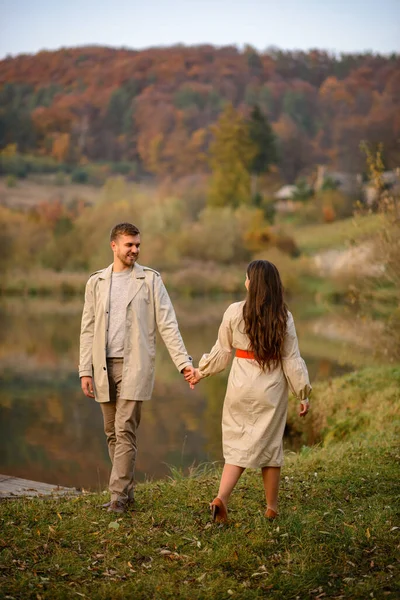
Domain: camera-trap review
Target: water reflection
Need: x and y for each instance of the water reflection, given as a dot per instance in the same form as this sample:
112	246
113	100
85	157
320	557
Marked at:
50	432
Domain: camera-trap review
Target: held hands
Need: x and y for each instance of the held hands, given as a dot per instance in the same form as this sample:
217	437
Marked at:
87	386
192	376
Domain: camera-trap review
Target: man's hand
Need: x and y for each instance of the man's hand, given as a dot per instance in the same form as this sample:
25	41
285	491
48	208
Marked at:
304	407
87	386
187	372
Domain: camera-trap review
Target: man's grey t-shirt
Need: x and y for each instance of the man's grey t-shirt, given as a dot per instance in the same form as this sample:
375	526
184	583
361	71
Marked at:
117	313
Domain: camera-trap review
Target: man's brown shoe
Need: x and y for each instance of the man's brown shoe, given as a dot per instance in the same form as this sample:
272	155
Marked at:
218	511
117	507
129	502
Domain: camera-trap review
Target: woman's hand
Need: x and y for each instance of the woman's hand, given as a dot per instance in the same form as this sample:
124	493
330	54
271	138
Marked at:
193	378
304	407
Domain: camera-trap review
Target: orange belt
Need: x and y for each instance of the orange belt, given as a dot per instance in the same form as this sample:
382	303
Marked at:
244	354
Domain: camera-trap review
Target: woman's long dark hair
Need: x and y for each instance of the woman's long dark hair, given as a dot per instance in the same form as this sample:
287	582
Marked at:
265	313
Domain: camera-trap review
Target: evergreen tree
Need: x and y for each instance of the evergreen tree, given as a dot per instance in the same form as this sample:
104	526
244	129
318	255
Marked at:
296	105
232	153
264	141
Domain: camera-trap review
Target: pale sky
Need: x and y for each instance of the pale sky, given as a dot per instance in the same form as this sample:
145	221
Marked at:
27	26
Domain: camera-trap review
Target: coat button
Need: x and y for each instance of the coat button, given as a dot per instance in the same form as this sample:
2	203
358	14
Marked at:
104	369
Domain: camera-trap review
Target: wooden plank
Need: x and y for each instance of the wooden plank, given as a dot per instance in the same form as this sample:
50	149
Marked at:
15	487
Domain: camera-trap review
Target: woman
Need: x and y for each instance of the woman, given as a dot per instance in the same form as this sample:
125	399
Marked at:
267	361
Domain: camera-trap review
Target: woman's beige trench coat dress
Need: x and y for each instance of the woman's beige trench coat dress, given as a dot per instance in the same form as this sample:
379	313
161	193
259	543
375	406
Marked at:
255	406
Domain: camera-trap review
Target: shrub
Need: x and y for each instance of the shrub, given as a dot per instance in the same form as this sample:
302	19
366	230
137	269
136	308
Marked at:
215	236
303	191
333	204
203	278
80	176
13	165
287	244
379	296
11	181
43	164
124	168
59	178
268	206
21	165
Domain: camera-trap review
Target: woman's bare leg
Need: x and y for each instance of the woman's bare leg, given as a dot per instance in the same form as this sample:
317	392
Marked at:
271	477
229	478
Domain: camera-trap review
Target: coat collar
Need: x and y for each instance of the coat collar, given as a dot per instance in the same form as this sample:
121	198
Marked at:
135	283
137	272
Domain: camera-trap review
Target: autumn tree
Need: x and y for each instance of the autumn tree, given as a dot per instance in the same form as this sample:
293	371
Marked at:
294	149
61	147
231	155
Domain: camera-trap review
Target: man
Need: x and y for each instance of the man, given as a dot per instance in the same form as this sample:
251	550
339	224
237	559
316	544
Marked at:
124	304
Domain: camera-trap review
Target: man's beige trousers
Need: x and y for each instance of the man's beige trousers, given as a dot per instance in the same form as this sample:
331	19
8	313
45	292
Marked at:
121	420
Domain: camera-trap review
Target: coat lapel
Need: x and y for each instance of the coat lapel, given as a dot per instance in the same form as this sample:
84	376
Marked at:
136	282
104	286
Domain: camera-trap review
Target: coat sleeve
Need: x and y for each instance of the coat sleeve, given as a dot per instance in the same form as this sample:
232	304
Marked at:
87	332
219	356
294	367
168	326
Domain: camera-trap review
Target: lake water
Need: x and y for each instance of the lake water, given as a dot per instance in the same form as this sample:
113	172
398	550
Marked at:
50	432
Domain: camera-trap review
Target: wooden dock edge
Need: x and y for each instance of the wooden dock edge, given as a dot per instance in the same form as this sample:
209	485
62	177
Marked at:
15	487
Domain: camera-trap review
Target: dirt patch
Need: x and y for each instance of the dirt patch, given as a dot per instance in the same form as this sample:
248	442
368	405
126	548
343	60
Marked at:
358	260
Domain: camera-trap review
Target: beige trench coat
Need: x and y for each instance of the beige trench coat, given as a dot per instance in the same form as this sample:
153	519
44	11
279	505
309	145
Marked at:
148	307
255	405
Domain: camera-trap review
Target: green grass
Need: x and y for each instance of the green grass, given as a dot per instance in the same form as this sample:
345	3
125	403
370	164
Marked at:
365	403
337	535
314	238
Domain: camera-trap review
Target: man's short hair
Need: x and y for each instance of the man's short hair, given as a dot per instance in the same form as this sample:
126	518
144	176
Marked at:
123	229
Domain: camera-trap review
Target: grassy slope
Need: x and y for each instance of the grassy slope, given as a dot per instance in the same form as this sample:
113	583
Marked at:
337	535
319	237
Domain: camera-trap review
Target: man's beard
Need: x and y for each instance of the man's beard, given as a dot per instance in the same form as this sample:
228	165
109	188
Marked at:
127	261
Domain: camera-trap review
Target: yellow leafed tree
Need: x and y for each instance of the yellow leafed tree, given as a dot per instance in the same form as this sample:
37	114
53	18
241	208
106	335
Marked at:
231	155
60	147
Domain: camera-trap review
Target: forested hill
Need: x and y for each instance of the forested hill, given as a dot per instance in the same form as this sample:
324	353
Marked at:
155	107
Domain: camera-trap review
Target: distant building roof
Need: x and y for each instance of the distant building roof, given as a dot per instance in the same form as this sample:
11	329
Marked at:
286	192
